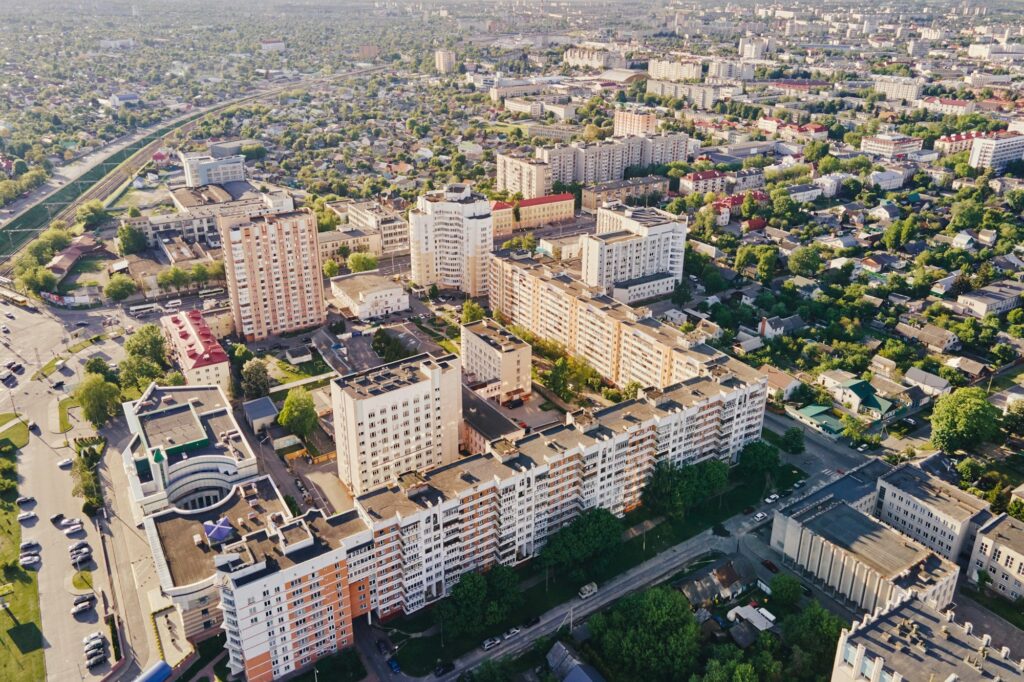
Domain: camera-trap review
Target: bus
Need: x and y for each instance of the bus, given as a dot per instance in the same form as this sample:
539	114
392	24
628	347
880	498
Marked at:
143	309
173	305
207	293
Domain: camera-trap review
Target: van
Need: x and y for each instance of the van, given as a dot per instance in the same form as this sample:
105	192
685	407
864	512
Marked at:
588	591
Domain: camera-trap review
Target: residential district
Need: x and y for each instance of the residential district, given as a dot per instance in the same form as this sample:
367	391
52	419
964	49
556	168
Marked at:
552	340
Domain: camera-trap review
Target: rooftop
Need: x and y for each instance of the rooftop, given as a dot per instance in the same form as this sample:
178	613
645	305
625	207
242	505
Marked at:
935	492
484	418
1005	530
356	286
192	341
494	335
393	376
853	486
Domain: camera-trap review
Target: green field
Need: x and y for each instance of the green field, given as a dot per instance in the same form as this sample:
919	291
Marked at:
21	638
63	407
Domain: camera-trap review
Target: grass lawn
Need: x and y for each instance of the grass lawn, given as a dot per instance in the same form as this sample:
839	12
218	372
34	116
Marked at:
1005	609
82	345
62	409
49	368
82	580
345	666
1012	467
286	373
419	655
1005	381
208	650
20	635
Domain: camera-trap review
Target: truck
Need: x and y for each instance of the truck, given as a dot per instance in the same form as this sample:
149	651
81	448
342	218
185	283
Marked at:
588	591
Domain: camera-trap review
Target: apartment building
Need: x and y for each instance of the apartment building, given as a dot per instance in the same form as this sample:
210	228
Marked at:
996	150
371	216
367	295
185	450
272	264
999	551
703	182
396	418
203	169
947	106
560	106
495	361
444	61
634	246
701	96
859	559
550	210
590	58
993	299
353	239
450	234
622	343
730	70
890	145
937	514
634	122
958	142
531	178
195	350
674	70
596	196
589	163
912	640
898	87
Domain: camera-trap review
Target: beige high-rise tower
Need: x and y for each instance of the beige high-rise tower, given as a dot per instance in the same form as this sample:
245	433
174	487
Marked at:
272	264
451	234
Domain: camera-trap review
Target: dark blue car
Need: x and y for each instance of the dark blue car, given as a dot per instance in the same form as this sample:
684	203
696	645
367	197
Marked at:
393	664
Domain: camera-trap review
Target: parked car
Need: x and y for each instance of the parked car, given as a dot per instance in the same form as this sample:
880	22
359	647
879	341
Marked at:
66	523
28	560
393	664
27	545
770	565
587	591
55	519
80	608
65	463
443	669
510	633
490	643
93	637
94	661
23	500
863	447
83	599
73	530
771	499
382	647
760	516
81	544
26	516
58	384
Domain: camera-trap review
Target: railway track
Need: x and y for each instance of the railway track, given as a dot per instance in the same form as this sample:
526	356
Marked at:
103	188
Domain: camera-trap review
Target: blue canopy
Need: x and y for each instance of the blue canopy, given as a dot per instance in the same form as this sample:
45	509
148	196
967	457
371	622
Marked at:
218	531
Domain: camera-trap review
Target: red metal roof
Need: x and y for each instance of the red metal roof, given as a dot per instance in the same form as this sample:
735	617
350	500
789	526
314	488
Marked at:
194	344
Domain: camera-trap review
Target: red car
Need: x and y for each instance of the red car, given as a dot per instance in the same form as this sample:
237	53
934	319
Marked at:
770	565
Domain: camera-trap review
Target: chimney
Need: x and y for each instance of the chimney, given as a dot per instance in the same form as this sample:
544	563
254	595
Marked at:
968	628
1005	653
986	639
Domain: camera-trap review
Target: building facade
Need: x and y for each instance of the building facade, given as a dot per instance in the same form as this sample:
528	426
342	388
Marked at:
530	178
638	122
368	294
272	265
589	163
396	418
203	169
496	362
450	235
393	229
195	350
671	70
549	210
996	150
898	87
596	196
444	61
890	146
999	551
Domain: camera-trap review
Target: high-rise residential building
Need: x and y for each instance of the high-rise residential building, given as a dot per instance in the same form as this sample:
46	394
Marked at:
674	70
634	122
204	169
636	253
390	225
496	362
701	96
891	145
195	350
444	61
590	58
272	265
755	48
937	514
528	177
730	70
395	419
450	235
596	196
996	151
588	163
622	343
898	87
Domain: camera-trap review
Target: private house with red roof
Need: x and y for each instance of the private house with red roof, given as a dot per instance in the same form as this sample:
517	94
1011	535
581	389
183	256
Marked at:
195	350
549	210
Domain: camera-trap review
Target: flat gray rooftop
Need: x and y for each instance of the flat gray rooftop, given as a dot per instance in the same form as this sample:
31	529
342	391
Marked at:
935	492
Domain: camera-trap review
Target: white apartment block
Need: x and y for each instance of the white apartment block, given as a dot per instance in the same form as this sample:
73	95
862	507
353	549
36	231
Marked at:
272	264
589	163
730	70
203	169
195	350
910	640
937	514
993	299
890	146
444	61
700	96
390	225
958	142
898	87
589	58
451	234
859	559
999	551
634	246
755	48
947	106
396	418
634	122
495	361
529	177
672	70
369	294
996	151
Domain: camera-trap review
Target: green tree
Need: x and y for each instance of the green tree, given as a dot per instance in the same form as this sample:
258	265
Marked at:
240	354
815	632
759	459
433	292
92	213
786	591
584	545
361	262
148	342
673	490
137	371
120	287
173	378
199	274
255	378
472	312
805	261
1013	420
130	240
964	417
853	428
461	614
652	635
793	440
331	268
970	470
97	365
100	399
172	278
298	414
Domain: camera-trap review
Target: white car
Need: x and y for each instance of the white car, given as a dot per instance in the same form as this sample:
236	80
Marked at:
65	463
80	608
68	522
771	499
26	516
73	530
94	637
28	560
81	544
510	633
760	516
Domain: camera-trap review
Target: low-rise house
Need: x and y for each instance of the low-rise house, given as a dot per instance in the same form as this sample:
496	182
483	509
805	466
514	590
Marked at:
770	327
885	211
804	193
972	368
934	338
367	295
931	384
781	385
995	299
857	395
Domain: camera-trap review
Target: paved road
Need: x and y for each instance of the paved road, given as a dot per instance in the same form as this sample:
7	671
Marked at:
33	338
820	454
